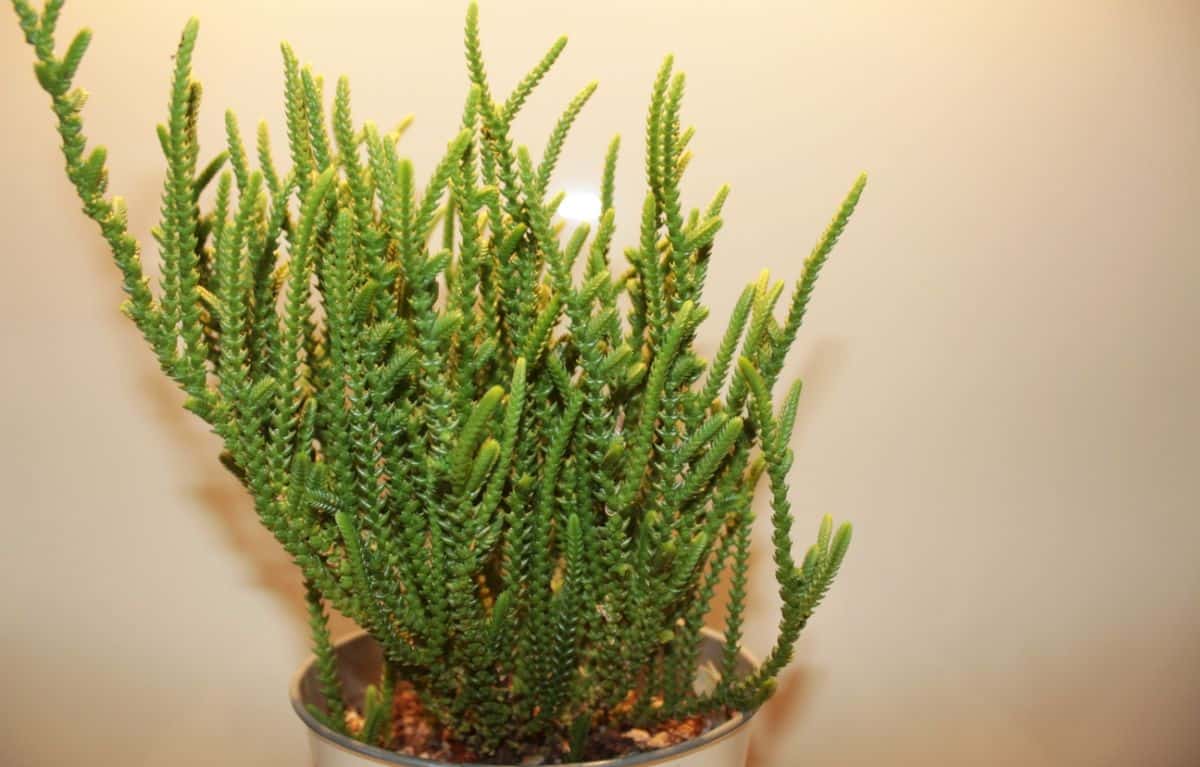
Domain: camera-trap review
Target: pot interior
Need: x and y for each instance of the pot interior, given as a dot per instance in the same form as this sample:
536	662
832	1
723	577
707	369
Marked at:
360	663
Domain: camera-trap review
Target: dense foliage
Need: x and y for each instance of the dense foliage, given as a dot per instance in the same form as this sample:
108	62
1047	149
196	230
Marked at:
490	445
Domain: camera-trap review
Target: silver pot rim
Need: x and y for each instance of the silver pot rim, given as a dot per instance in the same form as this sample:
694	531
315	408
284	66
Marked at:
641	759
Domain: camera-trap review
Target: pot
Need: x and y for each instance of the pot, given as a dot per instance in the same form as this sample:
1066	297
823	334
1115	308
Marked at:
359	661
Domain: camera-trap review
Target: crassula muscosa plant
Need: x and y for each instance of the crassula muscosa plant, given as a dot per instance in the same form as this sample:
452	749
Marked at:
487	440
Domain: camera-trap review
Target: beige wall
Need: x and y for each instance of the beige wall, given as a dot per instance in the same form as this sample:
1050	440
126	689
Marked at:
1001	362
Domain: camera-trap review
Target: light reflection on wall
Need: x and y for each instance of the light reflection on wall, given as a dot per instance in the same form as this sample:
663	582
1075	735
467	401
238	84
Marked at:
580	206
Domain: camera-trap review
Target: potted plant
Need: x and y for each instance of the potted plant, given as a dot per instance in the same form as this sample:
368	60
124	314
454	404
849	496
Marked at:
479	437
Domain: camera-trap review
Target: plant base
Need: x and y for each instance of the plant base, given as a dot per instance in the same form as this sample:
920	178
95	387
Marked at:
718	744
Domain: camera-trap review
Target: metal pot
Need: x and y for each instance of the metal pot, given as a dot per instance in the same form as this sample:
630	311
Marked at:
360	662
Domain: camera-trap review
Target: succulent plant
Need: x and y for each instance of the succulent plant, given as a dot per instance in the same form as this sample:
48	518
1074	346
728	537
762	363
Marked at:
485	439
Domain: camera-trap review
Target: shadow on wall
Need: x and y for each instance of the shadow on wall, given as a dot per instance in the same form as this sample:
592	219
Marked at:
787	706
230	504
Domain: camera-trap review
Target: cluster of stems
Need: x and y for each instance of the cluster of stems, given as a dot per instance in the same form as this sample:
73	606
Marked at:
483	438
